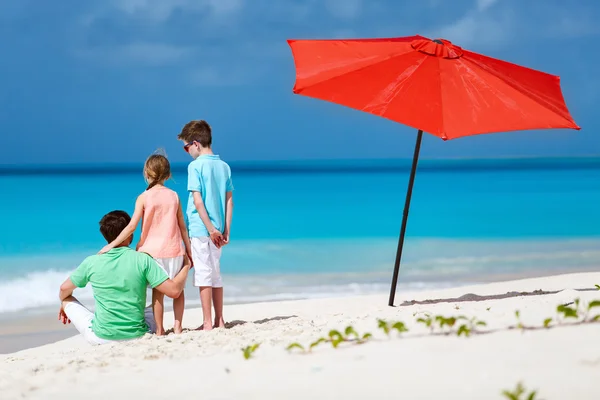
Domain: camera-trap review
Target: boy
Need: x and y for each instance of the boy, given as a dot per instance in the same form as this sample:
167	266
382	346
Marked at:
209	210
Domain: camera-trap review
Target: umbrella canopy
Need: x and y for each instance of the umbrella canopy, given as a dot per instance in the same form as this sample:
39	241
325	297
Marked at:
431	85
434	86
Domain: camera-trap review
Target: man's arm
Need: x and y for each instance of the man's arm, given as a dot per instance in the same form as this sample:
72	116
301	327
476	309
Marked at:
173	287
215	235
66	289
228	216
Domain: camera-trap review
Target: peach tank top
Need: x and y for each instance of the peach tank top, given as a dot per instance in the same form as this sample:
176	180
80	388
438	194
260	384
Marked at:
161	237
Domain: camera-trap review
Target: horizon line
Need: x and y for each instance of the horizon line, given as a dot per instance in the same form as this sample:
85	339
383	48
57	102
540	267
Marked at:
455	164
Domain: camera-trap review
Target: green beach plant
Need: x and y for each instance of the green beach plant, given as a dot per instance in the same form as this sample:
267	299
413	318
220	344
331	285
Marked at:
519	322
470	326
427	320
335	338
547	322
576	310
452	324
518	392
248	351
388	327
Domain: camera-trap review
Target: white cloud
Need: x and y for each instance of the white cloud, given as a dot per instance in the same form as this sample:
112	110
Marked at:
138	53
344	9
213	76
476	29
483	5
489	24
478	26
161	10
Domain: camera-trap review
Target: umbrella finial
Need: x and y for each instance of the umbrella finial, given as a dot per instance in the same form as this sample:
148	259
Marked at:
437	48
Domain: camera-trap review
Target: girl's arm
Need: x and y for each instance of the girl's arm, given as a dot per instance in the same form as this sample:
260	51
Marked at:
184	232
130	228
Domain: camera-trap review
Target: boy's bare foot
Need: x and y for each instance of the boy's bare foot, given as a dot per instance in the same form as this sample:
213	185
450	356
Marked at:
219	323
160	332
207	326
177	329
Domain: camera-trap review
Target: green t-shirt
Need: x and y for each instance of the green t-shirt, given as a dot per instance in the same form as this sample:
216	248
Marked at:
119	279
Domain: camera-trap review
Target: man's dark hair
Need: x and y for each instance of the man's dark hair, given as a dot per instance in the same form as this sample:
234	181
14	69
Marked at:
113	223
198	131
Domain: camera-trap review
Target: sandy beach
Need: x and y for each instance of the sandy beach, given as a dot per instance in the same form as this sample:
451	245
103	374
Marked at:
561	362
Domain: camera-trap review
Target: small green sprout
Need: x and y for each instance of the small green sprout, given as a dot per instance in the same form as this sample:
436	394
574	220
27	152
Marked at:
335	337
350	331
568	312
316	343
384	326
400	327
519	323
387	327
293	346
463	330
516	394
427	321
547	322
597	287
249	350
365	337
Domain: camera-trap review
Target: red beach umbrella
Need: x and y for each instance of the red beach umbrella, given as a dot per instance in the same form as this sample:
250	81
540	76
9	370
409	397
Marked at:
433	86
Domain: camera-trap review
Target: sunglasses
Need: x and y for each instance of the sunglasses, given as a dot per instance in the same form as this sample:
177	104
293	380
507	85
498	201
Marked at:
186	147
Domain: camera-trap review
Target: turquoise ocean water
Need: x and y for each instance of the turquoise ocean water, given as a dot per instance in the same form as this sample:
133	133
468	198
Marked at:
310	229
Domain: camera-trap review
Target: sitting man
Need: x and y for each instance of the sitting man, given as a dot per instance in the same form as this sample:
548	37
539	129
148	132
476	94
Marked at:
119	280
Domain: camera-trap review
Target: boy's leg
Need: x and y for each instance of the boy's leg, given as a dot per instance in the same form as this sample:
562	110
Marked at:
203	276
218	302
217	286
206	297
158	308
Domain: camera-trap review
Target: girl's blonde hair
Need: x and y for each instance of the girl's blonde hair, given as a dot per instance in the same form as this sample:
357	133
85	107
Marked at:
157	170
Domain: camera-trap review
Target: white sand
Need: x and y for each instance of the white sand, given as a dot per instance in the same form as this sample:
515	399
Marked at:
562	363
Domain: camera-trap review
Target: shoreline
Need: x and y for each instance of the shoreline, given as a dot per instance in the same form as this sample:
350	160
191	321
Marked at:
494	358
25	330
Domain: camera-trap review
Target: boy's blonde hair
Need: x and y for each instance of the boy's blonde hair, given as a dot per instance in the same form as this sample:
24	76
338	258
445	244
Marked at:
157	170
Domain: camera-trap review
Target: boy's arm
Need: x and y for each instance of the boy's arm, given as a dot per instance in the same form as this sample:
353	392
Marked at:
228	216
215	235
184	232
130	228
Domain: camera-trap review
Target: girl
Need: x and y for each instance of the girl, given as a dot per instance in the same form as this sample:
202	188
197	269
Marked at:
163	231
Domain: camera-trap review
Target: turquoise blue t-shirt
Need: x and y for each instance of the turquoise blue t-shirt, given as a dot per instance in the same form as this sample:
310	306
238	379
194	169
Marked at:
210	176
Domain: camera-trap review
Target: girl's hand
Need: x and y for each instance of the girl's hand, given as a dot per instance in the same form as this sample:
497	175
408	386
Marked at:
105	249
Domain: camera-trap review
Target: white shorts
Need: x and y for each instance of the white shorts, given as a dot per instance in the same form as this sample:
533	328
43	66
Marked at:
171	266
207	263
82	318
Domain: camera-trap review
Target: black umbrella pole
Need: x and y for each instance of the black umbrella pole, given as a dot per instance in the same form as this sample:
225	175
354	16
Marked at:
411	180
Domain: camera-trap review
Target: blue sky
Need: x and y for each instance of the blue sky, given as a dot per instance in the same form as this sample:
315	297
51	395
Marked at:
112	80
